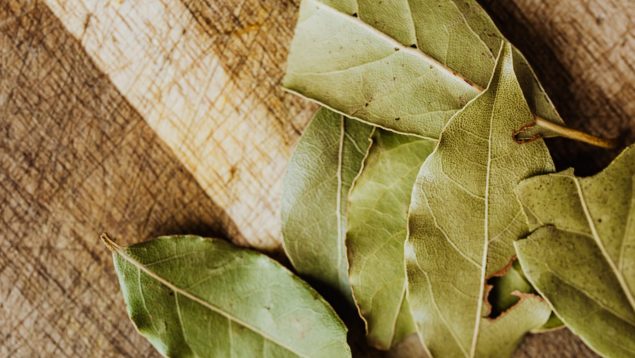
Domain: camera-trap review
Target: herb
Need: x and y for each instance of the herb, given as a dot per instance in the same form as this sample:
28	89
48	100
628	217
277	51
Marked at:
464	217
502	288
198	297
581	256
499	337
407	66
319	177
376	232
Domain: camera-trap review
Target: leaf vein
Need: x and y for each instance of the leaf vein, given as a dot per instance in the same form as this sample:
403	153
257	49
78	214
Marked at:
208	305
600	244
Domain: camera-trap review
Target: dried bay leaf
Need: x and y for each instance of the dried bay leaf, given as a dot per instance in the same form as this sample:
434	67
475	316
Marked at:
508	289
502	294
553	323
463	219
197	297
581	257
332	152
376	231
402	65
500	336
324	164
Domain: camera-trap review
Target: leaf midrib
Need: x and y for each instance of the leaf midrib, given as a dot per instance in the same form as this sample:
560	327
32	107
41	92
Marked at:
562	281
479	308
393	331
600	244
338	204
179	291
601	305
396	44
630	222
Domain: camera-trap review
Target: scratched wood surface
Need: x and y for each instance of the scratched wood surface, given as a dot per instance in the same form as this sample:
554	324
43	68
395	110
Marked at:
156	117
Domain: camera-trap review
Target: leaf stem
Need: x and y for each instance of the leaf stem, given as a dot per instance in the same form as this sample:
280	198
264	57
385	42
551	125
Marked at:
110	243
541	122
575	134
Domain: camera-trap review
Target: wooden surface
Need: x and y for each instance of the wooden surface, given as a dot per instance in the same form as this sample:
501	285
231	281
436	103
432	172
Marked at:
155	117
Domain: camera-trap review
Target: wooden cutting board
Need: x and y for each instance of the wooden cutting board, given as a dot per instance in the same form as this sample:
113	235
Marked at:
152	117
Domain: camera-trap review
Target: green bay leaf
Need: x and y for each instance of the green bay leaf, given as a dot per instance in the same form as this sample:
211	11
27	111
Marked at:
376	231
464	218
407	66
197	297
581	257
327	159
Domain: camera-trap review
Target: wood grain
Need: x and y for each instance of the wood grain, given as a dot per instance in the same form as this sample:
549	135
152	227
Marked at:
76	159
166	116
234	137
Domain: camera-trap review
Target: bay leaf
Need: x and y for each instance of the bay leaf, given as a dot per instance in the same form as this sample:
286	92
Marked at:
376	231
507	290
464	217
581	256
320	173
197	297
401	65
502	294
553	323
499	337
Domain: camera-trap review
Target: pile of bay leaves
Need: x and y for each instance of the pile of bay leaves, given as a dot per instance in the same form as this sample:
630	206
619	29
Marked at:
421	194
